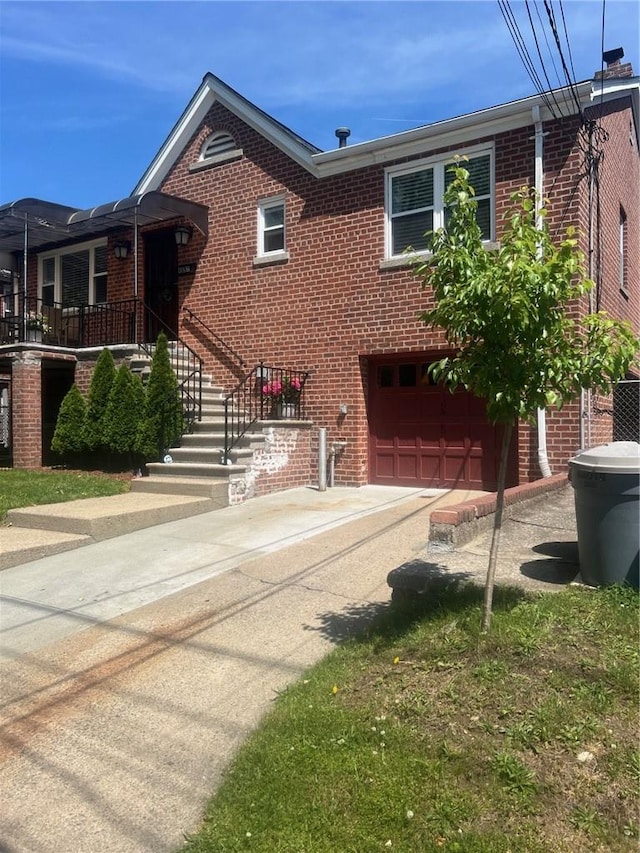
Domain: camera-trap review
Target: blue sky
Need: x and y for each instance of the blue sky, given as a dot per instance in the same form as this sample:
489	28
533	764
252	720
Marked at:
90	90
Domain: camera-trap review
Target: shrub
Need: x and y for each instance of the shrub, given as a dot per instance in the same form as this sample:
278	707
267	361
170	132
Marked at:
162	423
68	438
101	383
124	414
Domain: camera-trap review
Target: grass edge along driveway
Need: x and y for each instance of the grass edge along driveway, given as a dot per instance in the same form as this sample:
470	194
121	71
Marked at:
21	487
424	735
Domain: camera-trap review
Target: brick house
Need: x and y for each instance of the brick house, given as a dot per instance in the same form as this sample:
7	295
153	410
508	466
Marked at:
251	247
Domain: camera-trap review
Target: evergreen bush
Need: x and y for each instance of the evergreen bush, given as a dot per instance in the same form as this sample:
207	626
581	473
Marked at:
102	381
123	415
162	423
68	438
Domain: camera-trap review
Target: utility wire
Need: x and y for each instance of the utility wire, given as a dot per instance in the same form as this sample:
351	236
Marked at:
544	70
521	47
554	30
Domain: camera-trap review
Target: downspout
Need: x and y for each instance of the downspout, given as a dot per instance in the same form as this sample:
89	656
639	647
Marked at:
543	460
585	396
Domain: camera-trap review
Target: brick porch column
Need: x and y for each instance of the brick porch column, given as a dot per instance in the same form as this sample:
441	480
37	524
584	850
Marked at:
26	402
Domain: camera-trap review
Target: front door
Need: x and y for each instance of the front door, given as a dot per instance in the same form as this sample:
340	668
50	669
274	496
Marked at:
161	284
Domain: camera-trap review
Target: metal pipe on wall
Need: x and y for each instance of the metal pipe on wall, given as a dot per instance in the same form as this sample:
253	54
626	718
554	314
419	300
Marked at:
322	459
543	459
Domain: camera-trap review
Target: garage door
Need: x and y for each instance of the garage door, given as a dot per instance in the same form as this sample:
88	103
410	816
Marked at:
420	434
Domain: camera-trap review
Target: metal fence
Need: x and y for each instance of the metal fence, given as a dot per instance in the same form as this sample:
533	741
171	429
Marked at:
614	417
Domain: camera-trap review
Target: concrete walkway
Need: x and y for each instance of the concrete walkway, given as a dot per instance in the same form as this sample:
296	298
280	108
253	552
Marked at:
135	667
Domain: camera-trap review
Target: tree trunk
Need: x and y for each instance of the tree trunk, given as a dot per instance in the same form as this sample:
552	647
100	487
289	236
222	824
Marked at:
497	528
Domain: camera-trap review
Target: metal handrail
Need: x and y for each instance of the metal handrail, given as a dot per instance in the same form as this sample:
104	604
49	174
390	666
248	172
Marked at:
257	397
191	315
101	324
185	363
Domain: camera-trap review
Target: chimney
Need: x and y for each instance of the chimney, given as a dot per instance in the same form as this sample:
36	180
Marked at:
343	133
614	67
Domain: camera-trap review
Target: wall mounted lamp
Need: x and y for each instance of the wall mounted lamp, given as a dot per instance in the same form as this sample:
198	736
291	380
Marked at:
121	249
182	235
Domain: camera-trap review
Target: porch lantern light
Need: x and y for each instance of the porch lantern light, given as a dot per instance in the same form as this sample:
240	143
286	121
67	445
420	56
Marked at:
182	235
121	249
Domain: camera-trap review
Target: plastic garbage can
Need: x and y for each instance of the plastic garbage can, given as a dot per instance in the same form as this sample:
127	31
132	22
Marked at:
606	483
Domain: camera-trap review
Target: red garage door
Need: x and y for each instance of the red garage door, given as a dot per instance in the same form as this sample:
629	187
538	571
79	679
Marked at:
422	435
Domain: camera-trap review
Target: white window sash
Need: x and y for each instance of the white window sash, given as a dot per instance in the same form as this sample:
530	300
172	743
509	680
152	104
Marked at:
439	166
57	258
264	229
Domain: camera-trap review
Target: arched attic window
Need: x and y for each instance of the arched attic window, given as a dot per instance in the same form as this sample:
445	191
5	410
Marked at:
218	143
218	147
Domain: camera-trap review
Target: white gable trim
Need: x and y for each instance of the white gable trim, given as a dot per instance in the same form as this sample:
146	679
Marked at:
461	130
210	91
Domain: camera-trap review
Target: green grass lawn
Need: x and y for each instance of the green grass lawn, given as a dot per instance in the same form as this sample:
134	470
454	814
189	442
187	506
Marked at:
425	735
20	487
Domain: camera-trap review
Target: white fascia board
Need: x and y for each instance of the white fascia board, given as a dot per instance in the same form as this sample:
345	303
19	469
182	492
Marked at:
208	93
175	142
259	122
461	130
609	90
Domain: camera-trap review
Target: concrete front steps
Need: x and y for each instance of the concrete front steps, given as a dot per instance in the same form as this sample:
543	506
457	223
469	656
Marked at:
197	464
39	531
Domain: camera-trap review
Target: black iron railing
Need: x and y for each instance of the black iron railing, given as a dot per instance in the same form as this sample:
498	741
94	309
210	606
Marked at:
193	318
265	393
187	366
34	319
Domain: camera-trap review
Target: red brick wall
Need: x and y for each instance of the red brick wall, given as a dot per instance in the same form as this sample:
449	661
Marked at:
26	412
332	305
282	463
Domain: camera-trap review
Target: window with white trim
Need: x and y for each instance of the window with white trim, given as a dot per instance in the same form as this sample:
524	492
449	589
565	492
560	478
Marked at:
415	205
74	276
271	226
622	251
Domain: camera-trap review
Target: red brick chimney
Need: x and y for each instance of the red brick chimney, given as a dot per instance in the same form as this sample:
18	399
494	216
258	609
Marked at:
614	68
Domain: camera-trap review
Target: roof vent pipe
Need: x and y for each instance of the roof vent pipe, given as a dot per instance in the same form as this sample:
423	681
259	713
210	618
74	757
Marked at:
343	133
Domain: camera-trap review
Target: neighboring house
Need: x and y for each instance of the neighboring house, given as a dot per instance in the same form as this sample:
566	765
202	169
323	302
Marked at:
252	246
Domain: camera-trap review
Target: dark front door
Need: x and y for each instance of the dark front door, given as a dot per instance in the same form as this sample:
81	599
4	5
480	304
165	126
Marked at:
161	284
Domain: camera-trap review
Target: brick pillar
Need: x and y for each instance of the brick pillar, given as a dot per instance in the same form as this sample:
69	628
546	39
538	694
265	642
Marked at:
26	400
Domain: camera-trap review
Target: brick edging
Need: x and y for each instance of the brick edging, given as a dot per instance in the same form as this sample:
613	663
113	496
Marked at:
459	523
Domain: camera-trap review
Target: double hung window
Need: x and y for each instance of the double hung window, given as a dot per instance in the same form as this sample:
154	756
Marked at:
415	200
271	227
74	276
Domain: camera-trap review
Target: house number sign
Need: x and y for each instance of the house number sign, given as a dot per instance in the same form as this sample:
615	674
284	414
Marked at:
186	269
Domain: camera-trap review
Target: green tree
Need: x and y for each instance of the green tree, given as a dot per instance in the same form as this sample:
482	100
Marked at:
505	313
162	422
102	380
124	414
68	438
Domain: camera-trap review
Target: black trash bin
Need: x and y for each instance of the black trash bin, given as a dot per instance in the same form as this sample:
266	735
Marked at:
606	483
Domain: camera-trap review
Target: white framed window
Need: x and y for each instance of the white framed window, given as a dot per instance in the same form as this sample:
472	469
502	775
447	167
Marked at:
271	227
414	199
622	251
74	276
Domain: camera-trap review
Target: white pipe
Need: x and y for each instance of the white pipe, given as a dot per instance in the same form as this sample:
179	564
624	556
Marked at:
543	459
322	459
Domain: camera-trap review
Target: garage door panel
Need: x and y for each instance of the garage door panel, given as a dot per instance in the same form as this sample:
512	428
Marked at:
424	435
408	466
385	466
430	468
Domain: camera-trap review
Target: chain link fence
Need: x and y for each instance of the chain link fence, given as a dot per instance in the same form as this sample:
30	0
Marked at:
614	417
